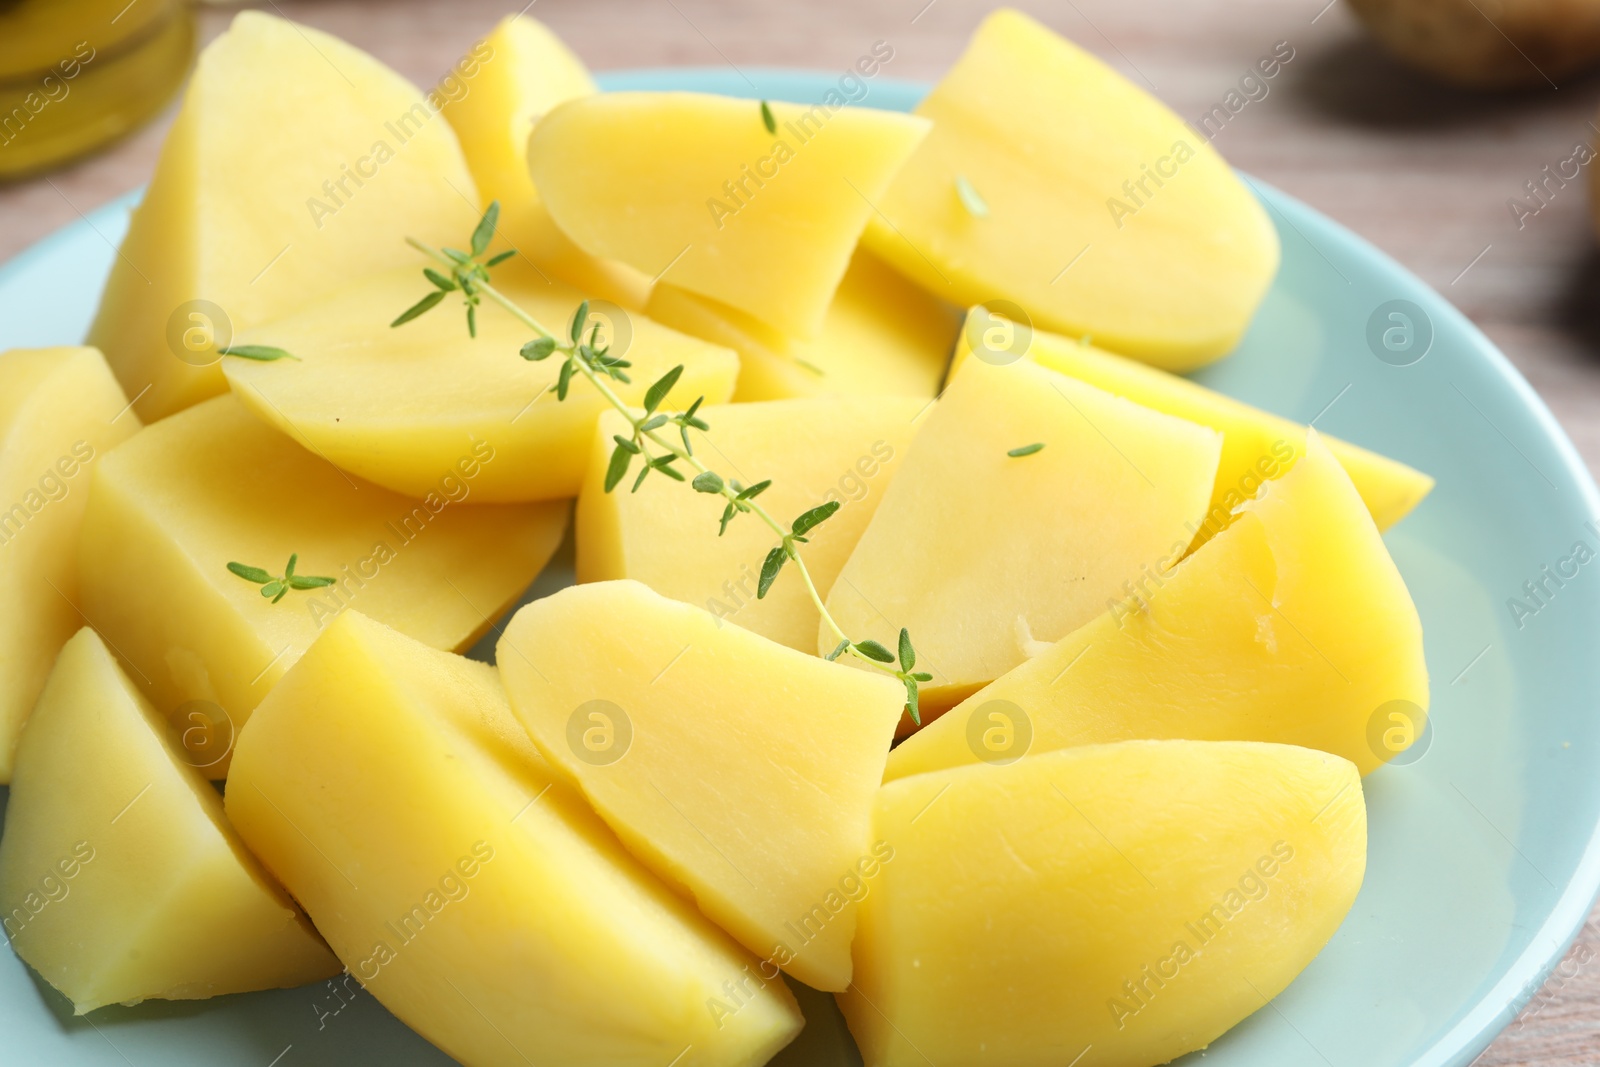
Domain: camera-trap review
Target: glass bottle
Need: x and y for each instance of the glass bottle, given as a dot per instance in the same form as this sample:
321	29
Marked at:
77	74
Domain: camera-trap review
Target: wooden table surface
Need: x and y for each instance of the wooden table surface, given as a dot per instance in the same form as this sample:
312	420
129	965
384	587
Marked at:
1423	172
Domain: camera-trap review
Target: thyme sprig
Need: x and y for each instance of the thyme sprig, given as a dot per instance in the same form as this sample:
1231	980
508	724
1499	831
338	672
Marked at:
657	441
276	587
467	273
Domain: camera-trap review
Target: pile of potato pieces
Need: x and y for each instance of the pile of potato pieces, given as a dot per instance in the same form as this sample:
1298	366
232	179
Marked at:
1142	606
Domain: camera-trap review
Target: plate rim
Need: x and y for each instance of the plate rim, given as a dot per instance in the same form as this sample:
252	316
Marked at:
1498	1007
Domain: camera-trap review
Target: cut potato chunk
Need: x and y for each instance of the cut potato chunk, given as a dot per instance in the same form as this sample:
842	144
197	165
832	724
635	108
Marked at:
296	165
175	505
1292	625
1256	445
60	411
842	450
1138	899
120	878
481	901
637	698
987	556
693	189
883	336
398	406
1051	180
493	98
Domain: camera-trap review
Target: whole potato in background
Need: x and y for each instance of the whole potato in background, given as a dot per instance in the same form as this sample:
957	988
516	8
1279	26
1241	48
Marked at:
1488	44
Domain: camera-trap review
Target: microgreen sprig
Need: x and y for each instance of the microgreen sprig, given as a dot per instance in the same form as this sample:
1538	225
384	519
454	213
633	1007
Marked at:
1026	450
276	587
658	441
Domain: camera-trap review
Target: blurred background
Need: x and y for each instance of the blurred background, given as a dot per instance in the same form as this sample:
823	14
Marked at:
1483	192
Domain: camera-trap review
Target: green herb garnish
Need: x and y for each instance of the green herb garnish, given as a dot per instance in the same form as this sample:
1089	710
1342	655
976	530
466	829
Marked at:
467	271
259	353
1026	450
766	118
975	205
908	660
657	440
274	586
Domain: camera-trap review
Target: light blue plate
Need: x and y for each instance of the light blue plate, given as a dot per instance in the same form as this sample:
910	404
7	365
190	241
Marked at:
1484	856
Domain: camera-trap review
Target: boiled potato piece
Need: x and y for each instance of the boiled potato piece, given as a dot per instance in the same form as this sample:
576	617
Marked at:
692	189
120	878
1292	625
399	406
882	336
1138	899
173	506
1517	43
492	99
1256	445
731	766
983	555
1041	154
477	898
842	450
60	411
297	164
